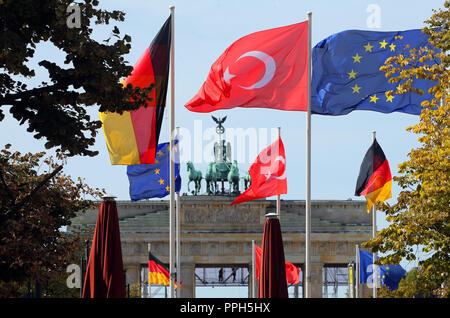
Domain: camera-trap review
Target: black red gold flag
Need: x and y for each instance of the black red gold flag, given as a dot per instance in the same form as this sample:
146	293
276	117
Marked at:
132	137
158	273
374	180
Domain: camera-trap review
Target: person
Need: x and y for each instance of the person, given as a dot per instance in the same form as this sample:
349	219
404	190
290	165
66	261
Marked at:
234	274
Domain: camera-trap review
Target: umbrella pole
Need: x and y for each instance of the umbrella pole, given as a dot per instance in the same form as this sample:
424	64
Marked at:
172	159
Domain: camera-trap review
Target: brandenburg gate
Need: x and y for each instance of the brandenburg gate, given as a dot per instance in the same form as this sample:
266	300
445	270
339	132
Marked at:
215	234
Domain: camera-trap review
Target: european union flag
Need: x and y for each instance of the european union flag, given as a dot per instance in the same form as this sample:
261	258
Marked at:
152	180
389	275
346	73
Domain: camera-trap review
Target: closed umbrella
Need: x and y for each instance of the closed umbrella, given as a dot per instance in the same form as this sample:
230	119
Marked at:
272	282
104	274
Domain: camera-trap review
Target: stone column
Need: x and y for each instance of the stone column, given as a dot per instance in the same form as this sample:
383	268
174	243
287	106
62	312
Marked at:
316	280
187	274
132	274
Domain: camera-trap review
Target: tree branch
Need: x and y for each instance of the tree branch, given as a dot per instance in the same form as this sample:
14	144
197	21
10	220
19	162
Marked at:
5	186
17	206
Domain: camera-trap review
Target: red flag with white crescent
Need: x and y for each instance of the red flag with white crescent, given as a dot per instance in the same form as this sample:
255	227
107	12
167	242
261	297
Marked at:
267	174
266	69
292	271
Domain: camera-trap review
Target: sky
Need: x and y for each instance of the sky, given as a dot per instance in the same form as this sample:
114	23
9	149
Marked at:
203	30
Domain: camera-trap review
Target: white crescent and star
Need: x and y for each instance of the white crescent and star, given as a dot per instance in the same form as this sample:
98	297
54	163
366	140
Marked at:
283	176
269	64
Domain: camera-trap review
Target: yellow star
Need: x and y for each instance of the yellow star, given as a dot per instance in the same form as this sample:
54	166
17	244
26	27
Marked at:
156	161
392	46
356	88
157	171
352	74
161	181
175	148
374	98
383	44
167	188
368	47
356	58
160	153
389	98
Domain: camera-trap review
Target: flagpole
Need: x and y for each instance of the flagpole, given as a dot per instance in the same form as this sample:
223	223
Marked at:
253	270
149	248
172	159
278	196
178	232
374	234
308	172
357	272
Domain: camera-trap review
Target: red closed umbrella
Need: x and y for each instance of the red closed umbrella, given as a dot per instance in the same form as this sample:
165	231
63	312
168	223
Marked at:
104	274
272	282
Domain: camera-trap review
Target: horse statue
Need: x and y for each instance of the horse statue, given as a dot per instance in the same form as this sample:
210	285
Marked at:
194	175
233	178
247	180
211	179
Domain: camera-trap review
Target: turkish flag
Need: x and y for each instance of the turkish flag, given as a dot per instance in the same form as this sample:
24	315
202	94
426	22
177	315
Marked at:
266	69
267	174
292	271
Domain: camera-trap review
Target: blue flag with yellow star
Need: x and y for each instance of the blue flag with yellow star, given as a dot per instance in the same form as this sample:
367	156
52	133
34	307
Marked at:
389	275
152	180
346	73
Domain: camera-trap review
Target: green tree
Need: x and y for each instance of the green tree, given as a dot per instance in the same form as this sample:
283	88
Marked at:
90	74
419	220
408	287
34	206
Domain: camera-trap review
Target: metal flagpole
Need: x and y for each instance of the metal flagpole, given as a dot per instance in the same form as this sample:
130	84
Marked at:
149	248
278	196
374	234
172	159
178	232
308	172
178	245
253	270
357	272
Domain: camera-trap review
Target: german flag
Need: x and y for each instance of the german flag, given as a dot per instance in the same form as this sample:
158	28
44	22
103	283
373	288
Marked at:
158	273
374	180
132	137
